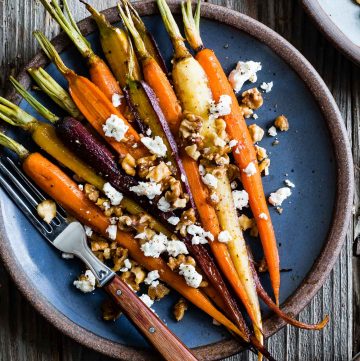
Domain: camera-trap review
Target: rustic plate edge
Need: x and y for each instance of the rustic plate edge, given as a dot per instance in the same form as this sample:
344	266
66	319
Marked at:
322	267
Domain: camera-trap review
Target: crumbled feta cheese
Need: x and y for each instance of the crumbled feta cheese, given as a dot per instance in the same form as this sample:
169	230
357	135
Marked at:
267	86
272	131
148	132
201	169
151	276
241	199
141	235
163	204
127	263
114	196
87	284
214	197
192	278
263	216
289	183
223	107
244	71
224	236
233	185
154	283
113	220
155	145
155	246
173	220
116	99
233	143
255	116
115	127
81	187
148	189
174	248
147	300
106	205
250	169
112	231
210	180
279	196
200	236
67	255
88	231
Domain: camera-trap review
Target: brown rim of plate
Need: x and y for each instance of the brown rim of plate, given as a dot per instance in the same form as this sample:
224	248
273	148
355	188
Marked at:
342	210
331	31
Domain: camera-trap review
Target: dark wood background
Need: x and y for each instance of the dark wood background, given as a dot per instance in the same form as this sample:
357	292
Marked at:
25	335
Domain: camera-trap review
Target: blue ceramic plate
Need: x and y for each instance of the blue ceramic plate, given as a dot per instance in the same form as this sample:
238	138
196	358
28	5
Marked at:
314	154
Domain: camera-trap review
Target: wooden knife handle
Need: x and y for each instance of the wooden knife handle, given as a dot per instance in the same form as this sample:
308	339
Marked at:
147	322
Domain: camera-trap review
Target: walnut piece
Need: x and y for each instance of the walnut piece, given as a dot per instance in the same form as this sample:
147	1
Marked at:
261	153
158	292
174	263
190	127
262	266
282	123
129	164
134	277
187	218
91	192
256	132
179	309
158	173
252	98
248	223
110	310
144	164
264	166
192	151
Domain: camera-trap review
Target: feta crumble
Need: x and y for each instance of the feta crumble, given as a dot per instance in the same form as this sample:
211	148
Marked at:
267	86
127	266
148	132
155	145
272	131
148	189
115	127
173	220
263	216
255	116
233	143
112	231
279	196
174	248
155	246
223	107
116	99
210	180
163	204
224	236
81	187
88	231
289	183
214	197
147	300
200	236
250	169
243	72
233	185
241	199
192	278
87	284
201	169
151	276
114	196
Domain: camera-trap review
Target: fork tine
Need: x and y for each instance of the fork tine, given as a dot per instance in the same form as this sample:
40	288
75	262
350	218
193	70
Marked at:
60	211
44	228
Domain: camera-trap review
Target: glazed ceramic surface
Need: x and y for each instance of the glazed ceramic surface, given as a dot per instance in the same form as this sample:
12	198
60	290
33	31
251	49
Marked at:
306	155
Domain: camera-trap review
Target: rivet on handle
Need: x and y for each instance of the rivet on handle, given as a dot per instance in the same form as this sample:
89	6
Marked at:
118	292
152	329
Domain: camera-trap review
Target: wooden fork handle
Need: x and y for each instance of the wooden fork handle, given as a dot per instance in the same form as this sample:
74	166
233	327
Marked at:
147	322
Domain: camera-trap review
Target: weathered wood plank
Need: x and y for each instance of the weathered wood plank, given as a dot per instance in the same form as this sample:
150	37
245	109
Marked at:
24	335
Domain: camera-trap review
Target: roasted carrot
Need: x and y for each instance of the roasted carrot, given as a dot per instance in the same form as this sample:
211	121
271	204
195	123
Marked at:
100	73
93	104
192	89
244	153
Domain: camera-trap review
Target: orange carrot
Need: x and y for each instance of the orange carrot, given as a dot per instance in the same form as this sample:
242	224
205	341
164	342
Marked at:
244	153
53	181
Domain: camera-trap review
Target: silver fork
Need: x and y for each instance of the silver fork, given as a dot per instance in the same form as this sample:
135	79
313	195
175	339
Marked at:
71	238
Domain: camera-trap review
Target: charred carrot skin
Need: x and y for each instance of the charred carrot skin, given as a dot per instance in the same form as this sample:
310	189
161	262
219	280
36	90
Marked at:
244	153
66	192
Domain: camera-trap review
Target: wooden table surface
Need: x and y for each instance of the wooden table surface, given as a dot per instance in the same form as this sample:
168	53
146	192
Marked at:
25	335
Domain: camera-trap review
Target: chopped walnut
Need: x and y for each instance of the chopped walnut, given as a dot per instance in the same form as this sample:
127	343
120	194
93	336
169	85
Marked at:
91	192
245	222
254	232
204	284
192	151
220	126
190	127
179	309
282	123
134	277
119	255
144	164
174	263
187	218
158	172
247	112
158	292
252	98
262	266
99	245
261	153
256	132
264	166
233	172
110	310
129	164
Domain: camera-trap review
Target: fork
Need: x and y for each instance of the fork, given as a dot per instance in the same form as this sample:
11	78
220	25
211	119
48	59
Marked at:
71	238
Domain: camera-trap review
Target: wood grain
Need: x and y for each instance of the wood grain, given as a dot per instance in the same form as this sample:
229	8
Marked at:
24	335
